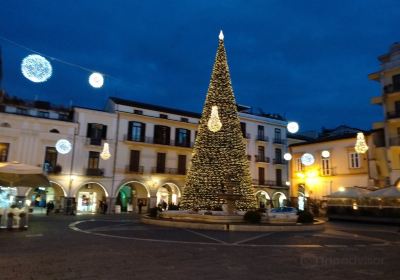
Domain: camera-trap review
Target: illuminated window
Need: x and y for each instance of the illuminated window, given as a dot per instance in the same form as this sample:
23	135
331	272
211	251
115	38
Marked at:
299	165
4	147
326	166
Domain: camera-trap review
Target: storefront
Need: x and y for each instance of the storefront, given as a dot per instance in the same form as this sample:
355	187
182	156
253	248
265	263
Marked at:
89	197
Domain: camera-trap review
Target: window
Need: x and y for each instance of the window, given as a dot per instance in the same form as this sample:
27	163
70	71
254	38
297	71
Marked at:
161	162
4	147
93	162
22	111
136	131
260	132
182	137
134	161
396	82
182	164
50	159
261	153
184	120
299	165
63	117
326	167
43	114
139	112
278	155
243	127
354	160
96	132
261	176
278	176
278	135
162	134
163	116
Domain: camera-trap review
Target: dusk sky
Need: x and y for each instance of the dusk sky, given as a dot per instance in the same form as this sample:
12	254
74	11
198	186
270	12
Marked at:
305	60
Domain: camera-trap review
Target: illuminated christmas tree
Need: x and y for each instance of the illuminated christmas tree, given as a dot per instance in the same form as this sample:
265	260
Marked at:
219	163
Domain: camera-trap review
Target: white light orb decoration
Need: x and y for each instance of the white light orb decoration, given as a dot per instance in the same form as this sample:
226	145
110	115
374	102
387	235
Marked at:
325	154
307	159
105	154
293	127
287	156
96	80
36	68
214	123
63	146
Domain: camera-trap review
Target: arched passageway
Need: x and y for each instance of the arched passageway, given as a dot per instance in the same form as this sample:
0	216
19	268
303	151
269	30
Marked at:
279	199
89	197
263	199
133	197
40	196
168	195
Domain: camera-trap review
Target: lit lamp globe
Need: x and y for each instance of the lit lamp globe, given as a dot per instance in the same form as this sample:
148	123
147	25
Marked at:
293	127
325	154
307	159
36	68
63	146
287	156
96	80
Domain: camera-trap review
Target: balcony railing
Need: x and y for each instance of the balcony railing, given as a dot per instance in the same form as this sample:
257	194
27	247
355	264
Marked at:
134	169
262	138
279	161
390	89
94	142
173	171
279	141
327	171
259	182
151	140
394	141
259	158
393	114
94	171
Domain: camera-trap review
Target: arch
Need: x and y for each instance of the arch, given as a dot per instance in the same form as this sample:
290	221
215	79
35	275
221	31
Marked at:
90	196
168	193
40	196
397	183
175	186
279	199
54	130
5	124
266	194
132	181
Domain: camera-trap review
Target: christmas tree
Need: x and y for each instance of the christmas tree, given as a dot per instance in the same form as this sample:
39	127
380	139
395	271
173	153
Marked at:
219	163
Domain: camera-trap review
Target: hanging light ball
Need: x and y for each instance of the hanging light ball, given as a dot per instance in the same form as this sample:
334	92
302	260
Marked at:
63	146
287	156
325	154
307	159
293	127
96	80
36	68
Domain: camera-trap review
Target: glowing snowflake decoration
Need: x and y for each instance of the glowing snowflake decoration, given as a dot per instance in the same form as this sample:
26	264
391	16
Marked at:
63	146
36	68
293	127
96	80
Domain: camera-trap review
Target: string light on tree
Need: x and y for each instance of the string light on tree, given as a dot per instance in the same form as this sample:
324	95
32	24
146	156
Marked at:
214	123
361	146
293	127
96	80
36	68
63	146
219	164
105	154
287	156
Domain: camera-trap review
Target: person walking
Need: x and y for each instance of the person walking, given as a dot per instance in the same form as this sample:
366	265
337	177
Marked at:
50	207
140	206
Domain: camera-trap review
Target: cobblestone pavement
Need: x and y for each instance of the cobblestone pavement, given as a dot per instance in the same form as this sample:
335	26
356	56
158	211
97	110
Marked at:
120	247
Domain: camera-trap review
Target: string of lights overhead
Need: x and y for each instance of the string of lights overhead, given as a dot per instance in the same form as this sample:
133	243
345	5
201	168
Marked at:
37	66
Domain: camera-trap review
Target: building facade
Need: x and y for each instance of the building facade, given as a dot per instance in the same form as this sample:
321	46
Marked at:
387	131
150	147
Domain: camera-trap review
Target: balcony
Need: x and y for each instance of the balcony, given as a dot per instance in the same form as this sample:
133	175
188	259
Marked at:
94	172
279	141
327	171
394	141
259	158
262	138
134	169
94	142
172	171
259	182
389	89
151	140
279	161
393	115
